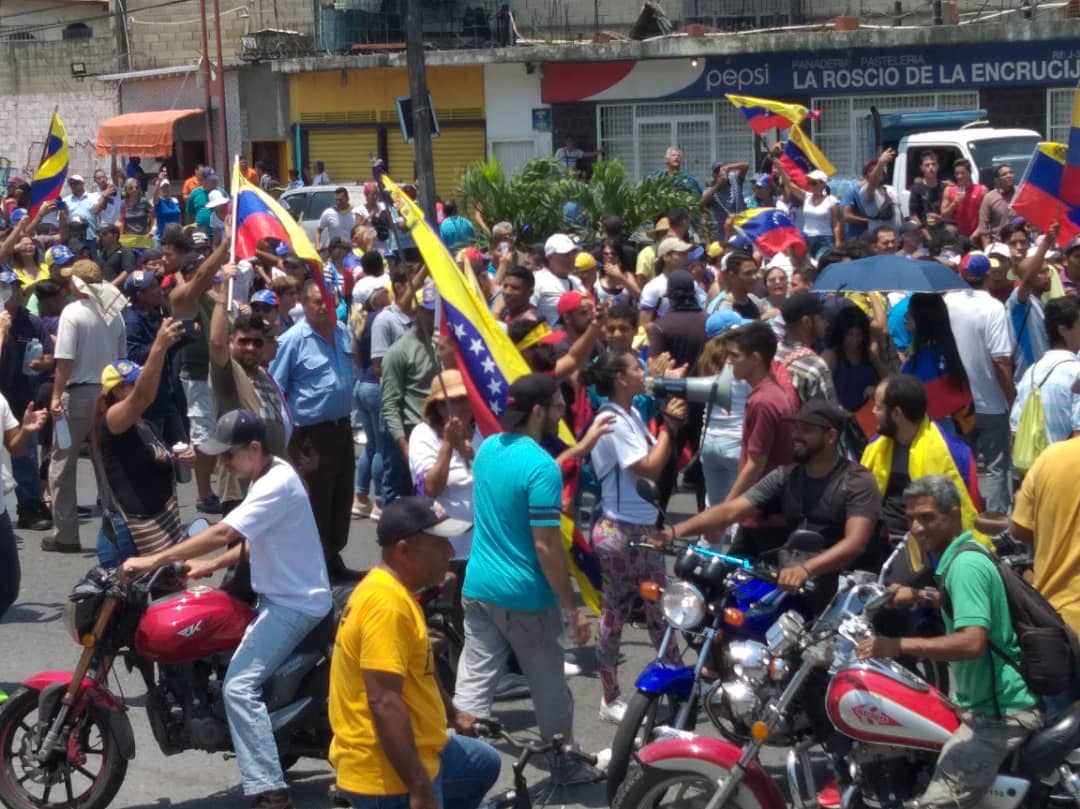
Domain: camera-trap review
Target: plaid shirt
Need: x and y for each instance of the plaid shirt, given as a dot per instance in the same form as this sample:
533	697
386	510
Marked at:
809	373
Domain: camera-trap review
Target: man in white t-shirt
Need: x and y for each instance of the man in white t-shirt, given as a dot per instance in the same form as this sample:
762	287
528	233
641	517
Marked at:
982	336
672	254
288	572
557	277
336	222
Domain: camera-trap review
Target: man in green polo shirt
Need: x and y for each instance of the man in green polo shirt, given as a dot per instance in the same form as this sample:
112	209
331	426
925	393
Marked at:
998	709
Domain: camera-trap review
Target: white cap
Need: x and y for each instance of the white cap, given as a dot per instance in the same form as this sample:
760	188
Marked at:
559	243
76	178
164	181
1000	249
819	175
216	199
673	244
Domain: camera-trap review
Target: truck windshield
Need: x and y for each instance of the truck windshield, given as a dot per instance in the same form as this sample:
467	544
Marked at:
994	152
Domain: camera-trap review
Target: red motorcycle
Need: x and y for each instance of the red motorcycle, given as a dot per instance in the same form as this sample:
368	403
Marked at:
66	739
896	721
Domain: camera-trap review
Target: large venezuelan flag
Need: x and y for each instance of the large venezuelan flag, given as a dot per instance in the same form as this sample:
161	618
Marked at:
48	180
1070	177
489	363
801	156
1037	197
770	230
764	114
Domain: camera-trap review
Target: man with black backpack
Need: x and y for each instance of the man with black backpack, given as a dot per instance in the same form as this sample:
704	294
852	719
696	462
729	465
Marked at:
981	646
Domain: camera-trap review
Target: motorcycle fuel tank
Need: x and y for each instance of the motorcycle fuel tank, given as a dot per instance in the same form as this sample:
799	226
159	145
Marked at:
884	703
190	625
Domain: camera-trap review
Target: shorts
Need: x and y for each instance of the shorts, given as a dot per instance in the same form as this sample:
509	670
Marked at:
200	404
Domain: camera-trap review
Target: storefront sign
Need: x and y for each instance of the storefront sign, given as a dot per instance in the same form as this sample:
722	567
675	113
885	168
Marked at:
856	70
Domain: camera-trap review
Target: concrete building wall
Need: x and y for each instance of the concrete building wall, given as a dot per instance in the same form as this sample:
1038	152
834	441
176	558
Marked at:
25	19
511	93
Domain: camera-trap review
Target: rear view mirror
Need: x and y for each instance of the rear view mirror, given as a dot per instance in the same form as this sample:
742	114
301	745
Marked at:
197	526
648	491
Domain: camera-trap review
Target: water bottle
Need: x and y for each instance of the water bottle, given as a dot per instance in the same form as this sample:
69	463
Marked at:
34	351
61	433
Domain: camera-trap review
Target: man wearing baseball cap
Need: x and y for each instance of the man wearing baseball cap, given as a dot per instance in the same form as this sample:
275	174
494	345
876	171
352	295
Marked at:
517	594
276	526
388	711
557	277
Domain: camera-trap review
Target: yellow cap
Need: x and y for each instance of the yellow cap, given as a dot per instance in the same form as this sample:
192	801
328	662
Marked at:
714	250
584	262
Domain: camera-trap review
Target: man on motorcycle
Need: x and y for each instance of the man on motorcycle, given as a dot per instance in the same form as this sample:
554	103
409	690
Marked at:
999	710
821	492
287	571
387	711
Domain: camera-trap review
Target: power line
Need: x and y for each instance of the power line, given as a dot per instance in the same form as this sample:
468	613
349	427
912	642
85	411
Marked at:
108	16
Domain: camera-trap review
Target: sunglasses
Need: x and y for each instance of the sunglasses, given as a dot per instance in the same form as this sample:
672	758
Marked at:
256	342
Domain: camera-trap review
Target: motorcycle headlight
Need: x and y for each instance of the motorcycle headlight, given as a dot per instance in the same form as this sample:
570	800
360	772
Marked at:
749	660
683	605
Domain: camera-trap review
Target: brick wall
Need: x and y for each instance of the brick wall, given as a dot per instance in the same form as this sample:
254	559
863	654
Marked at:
24	122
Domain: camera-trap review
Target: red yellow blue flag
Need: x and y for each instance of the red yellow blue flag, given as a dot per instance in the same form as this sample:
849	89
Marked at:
801	156
489	364
48	180
1037	197
1070	177
764	114
771	230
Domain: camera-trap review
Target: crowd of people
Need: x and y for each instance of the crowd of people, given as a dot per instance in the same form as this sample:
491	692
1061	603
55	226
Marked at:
126	327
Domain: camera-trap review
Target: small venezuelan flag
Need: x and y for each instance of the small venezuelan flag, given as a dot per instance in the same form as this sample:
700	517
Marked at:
771	231
801	156
1037	197
48	180
764	114
1070	177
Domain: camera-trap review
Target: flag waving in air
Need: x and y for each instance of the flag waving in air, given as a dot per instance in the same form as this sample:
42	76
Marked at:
764	114
771	230
1070	177
801	156
489	363
1036	197
48	180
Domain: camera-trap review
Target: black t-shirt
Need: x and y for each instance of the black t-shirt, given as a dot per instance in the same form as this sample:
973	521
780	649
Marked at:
681	334
925	200
893	512
122	259
747	309
139	469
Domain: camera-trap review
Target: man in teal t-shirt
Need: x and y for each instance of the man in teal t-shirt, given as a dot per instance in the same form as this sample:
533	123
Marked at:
998	709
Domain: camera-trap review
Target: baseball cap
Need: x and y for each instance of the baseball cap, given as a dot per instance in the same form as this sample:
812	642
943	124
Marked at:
723	320
216	199
199	239
819	175
76	178
139	280
85	270
800	305
740	241
525	393
265	297
559	244
714	250
680	282
821	413
763	181
408	516
147	256
663	225
282	249
370	185
910	227
673	244
338	243
697	254
975	264
999	249
163	182
1074	242
59	255
584	261
425	296
237	428
190	262
571	301
208	173
18	214
8	276
116	373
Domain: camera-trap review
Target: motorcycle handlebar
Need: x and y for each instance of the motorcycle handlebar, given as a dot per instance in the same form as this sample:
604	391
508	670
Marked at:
492	729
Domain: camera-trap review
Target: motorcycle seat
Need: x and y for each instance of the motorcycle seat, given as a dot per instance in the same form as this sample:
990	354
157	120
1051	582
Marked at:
322	636
1046	749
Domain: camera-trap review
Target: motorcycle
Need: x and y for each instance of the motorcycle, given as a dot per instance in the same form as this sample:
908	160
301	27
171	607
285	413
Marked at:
897	723
65	737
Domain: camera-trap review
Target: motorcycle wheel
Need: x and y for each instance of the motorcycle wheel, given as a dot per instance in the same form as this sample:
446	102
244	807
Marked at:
643	714
666	789
90	781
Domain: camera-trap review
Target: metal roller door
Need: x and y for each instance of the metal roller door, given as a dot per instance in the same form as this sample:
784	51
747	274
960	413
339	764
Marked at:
456	148
346	153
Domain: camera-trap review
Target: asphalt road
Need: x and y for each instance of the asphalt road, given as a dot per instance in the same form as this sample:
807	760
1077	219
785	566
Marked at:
33	638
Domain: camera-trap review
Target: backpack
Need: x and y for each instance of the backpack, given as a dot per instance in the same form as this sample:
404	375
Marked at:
1031	437
1049	649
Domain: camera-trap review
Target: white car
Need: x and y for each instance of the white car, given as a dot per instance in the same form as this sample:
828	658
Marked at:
308	203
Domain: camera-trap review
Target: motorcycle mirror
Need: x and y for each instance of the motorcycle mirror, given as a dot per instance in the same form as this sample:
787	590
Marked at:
878	601
648	491
197	526
804	540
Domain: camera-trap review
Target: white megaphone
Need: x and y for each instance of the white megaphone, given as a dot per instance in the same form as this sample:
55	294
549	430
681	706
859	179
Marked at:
696	389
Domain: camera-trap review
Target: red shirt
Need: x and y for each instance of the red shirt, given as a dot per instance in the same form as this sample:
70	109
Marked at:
966	214
767	430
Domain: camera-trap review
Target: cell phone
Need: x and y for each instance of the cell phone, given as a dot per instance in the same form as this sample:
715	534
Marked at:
189	328
505	248
60	205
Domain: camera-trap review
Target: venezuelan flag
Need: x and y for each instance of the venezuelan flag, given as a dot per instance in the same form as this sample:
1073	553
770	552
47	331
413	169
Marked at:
489	363
48	180
764	114
801	156
1037	197
1070	177
257	215
771	230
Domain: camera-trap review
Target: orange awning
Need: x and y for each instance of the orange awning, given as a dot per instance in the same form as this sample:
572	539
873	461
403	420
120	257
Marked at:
141	134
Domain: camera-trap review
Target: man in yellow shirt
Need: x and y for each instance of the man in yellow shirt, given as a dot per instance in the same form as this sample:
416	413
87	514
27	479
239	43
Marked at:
389	716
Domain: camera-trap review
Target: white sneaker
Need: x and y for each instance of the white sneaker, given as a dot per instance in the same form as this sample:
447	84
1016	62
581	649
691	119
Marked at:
361	510
376	512
570	667
614	711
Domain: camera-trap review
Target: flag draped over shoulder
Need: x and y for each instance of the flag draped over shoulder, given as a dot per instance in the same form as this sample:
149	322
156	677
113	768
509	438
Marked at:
764	114
801	156
1037	197
257	216
489	364
48	180
771	230
1070	177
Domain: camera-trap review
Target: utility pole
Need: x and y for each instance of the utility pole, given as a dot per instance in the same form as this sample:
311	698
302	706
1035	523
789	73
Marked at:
421	113
211	155
223	133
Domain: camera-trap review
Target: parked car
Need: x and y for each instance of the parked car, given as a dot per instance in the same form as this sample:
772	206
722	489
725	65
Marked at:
308	203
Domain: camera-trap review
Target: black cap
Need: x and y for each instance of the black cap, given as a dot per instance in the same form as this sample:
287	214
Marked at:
524	394
406	517
821	413
338	243
237	428
911	227
800	305
190	262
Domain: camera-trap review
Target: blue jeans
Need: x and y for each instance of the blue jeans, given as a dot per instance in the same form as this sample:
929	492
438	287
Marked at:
367	407
818	246
720	468
467	770
397	482
24	468
268	642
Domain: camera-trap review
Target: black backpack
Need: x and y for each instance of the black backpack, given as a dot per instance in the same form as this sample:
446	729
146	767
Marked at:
1049	650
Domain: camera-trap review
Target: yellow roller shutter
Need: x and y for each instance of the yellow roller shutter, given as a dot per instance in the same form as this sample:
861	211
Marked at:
346	152
456	148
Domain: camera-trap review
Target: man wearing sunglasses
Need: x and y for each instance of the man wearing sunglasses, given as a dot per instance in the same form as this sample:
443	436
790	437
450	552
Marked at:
239	381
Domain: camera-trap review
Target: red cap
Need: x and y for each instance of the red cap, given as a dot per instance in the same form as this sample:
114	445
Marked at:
552	339
570	302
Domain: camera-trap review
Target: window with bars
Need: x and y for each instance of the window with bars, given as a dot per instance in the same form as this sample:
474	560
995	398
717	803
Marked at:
1059	103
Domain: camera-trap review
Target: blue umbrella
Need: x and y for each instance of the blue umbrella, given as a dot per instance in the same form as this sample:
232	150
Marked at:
888	273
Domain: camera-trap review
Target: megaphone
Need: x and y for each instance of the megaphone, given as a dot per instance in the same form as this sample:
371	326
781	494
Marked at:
695	389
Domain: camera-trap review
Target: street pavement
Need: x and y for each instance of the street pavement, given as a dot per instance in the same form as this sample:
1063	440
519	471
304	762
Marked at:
33	638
